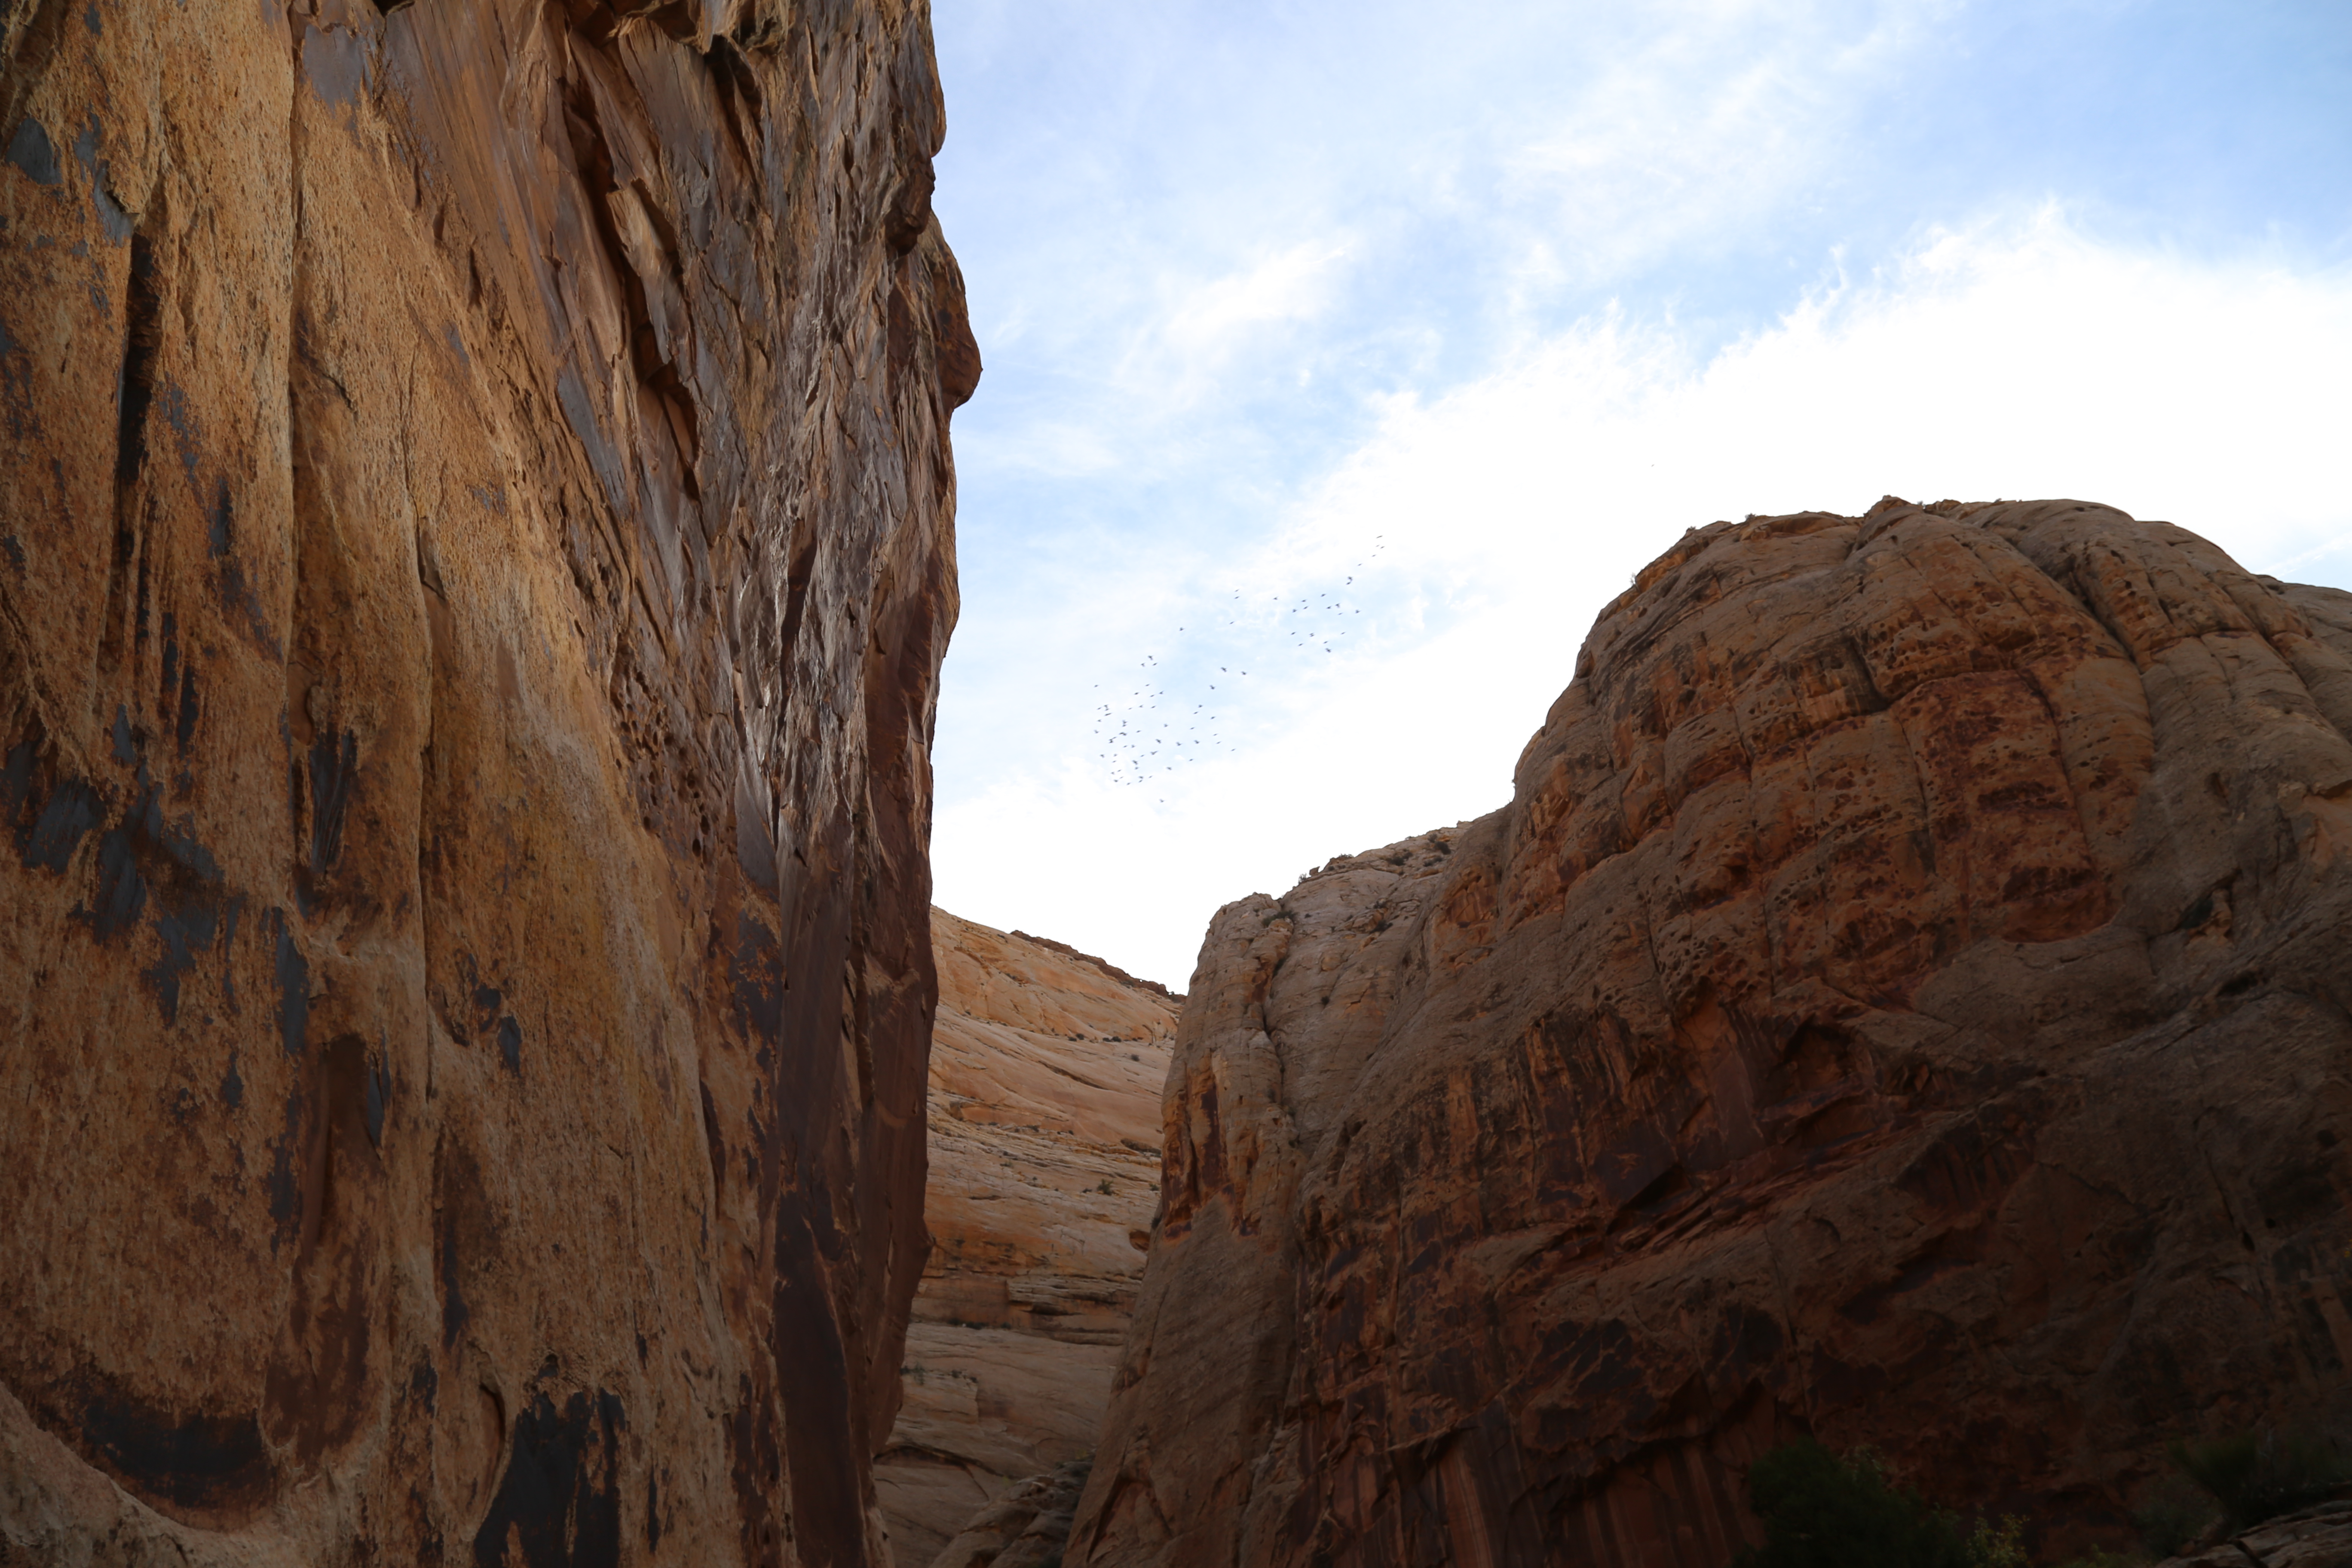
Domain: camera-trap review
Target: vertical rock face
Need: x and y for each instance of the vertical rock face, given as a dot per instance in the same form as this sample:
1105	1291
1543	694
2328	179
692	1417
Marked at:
475	556
1904	1001
1046	1070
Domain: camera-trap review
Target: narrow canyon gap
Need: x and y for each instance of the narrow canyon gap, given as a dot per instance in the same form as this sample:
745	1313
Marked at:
476	552
1047	1066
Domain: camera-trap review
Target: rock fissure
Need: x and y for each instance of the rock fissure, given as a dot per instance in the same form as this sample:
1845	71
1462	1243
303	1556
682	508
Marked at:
1046	1065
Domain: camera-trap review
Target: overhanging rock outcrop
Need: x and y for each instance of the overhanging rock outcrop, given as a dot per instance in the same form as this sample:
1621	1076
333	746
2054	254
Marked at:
476	551
1904	1001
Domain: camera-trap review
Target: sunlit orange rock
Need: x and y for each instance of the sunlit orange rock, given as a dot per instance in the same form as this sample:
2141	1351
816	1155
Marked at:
1046	1068
1906	1000
474	557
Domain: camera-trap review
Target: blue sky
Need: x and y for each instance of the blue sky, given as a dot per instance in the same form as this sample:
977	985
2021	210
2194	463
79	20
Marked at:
1369	348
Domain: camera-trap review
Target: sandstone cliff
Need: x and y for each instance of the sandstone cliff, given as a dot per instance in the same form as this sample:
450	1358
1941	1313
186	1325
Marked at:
1904	1001
475	556
1046	1068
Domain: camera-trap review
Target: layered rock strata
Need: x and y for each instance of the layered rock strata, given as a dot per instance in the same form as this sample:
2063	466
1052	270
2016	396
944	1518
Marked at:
475	556
1904	1001
1046	1071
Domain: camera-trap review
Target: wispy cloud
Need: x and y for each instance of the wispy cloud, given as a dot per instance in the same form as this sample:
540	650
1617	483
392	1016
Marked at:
1420	333
1205	324
1707	118
2017	359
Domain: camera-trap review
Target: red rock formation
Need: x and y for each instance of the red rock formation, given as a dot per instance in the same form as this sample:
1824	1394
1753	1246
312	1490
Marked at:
475	556
1027	1526
1047	1068
1904	1001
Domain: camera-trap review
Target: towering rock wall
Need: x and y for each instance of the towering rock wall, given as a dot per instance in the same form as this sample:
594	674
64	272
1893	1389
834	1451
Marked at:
1904	1001
1047	1068
475	555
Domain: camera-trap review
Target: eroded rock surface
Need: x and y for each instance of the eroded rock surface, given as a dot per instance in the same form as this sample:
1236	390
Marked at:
2309	1538
475	556
1028	1527
1047	1072
1904	1001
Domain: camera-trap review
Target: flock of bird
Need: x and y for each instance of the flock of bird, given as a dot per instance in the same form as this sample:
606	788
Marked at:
1150	731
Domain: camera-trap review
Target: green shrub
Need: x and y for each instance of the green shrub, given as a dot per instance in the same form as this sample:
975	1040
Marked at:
1823	1511
2172	1512
2256	1476
1999	1545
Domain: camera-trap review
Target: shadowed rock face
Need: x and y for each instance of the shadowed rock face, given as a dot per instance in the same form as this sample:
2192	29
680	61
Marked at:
1047	1068
1027	1526
475	556
1904	1001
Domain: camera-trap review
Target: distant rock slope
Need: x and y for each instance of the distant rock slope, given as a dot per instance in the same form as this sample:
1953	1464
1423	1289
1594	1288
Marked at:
476	551
1046	1071
1904	1000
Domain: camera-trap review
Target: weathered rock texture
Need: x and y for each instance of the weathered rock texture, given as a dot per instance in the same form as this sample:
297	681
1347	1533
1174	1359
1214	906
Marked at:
1046	1070
475	555
1904	1001
2317	1537
1028	1527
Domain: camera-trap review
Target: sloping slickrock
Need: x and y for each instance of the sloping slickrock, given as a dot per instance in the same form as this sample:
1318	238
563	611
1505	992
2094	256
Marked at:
1904	1001
476	552
2310	1538
1046	1071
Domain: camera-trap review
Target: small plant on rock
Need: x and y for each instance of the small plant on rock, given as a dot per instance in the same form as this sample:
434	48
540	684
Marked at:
2260	1474
1999	1545
2172	1512
1823	1511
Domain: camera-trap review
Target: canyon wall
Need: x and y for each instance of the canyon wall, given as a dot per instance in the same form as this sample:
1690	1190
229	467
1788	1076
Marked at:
1046	1068
1904	1001
476	549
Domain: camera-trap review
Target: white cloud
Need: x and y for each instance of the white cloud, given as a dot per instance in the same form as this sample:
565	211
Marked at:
1291	285
2019	359
1059	448
1699	121
1200	212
